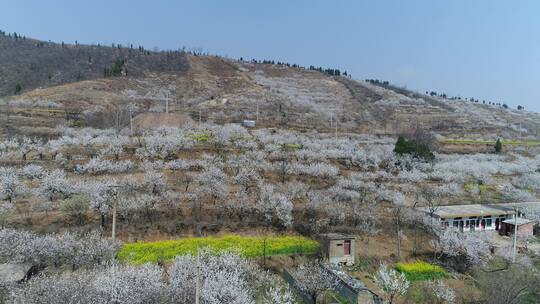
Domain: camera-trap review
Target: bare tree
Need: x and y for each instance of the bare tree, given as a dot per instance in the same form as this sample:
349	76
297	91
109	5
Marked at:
398	217
368	221
120	116
431	199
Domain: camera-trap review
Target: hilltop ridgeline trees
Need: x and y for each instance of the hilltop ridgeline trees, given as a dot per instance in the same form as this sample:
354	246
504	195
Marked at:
29	63
413	147
327	71
403	90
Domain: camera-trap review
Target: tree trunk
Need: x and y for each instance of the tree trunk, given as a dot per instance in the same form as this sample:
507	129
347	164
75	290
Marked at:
398	238
416	235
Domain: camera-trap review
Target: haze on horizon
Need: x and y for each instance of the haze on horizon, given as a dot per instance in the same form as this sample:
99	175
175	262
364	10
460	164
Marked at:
481	49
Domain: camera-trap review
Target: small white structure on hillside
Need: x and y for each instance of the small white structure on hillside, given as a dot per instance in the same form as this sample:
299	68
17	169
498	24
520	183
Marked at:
338	248
248	123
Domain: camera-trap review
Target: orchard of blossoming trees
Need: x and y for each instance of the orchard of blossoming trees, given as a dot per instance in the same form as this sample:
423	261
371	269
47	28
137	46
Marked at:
227	278
103	148
274	178
226	178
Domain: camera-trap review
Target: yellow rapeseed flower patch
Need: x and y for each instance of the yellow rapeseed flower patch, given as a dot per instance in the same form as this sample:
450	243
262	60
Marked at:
421	271
248	246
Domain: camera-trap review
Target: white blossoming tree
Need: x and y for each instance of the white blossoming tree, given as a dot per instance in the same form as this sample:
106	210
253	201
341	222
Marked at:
225	278
6	209
10	185
129	285
393	283
313	280
55	185
55	249
442	293
275	207
473	248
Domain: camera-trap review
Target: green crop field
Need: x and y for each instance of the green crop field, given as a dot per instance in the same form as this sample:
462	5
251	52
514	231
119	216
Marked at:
200	137
292	146
421	271
248	246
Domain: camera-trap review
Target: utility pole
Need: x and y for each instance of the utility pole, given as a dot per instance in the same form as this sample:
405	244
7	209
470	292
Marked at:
336	128
200	114
131	120
515	236
167	103
114	207
197	281
114	221
257	118
264	251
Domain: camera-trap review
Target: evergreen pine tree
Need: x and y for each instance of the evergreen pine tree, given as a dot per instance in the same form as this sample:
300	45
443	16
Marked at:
498	146
18	89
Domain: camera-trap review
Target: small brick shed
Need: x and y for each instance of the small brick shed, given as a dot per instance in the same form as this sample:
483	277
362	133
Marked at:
525	227
338	248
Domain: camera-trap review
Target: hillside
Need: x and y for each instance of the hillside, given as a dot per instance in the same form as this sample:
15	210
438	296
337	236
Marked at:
214	89
33	64
88	194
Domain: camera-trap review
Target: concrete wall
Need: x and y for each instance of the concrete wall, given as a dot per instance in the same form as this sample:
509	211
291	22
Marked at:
523	230
526	230
351	294
292	282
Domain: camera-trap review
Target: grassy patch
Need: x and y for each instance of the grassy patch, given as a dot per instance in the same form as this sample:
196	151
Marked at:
292	146
200	137
139	253
469	187
421	271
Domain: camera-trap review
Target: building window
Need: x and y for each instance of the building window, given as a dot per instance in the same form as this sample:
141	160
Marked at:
488	223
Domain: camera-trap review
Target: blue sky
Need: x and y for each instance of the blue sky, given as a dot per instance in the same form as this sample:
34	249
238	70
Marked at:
487	49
